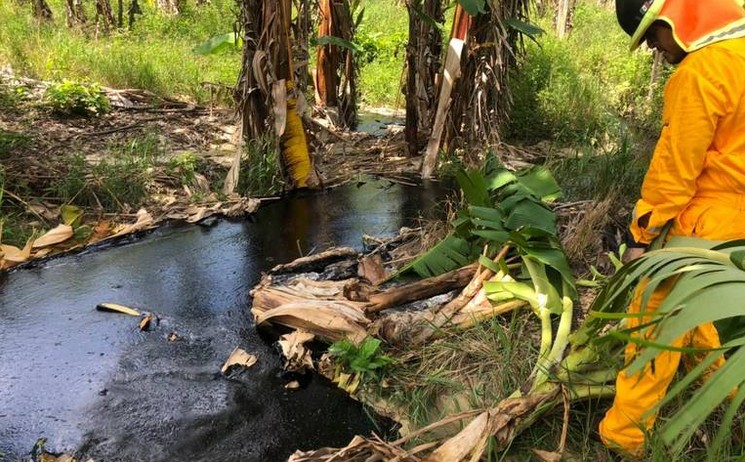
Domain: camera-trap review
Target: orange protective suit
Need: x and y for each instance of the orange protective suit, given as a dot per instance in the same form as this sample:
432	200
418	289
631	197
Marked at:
696	178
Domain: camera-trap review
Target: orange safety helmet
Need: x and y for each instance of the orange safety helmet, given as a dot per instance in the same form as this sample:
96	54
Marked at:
695	23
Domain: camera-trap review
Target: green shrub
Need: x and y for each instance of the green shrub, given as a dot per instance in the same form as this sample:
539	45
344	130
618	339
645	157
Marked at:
72	98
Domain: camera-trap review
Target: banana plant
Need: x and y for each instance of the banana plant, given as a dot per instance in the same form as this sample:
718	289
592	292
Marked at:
510	210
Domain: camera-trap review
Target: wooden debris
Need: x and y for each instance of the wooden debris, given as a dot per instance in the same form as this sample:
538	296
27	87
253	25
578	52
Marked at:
54	236
421	290
315	261
146	322
371	268
329	320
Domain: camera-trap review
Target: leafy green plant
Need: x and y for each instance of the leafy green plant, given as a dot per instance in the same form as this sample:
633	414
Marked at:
364	358
120	179
185	166
73	98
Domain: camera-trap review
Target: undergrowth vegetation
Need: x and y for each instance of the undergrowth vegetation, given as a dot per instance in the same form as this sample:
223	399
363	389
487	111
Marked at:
155	55
117	182
585	89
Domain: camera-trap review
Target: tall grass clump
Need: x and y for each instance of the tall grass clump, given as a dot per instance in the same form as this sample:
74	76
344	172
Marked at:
261	172
155	55
584	89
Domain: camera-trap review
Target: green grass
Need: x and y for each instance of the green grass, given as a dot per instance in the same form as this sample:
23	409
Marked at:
118	182
384	29
475	368
260	174
156	55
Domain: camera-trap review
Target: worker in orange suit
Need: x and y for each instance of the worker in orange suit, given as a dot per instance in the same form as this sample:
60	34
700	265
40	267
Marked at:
696	178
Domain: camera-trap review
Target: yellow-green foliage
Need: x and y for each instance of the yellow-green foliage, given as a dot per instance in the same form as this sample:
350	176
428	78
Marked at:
155	55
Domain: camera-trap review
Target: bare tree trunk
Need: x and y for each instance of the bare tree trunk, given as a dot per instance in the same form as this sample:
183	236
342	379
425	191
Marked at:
75	13
169	7
42	11
120	14
422	66
563	16
134	9
327	58
104	15
481	98
265	95
655	74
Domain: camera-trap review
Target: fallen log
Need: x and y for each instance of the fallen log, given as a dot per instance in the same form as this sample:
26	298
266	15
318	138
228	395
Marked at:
421	290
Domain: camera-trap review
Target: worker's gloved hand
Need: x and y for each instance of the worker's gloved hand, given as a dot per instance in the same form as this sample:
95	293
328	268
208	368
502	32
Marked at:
632	253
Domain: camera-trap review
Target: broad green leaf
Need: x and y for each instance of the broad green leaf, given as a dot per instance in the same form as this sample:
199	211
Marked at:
494	236
530	214
530	30
474	188
473	7
72	215
451	253
540	182
489	264
486	213
369	347
218	43
499	179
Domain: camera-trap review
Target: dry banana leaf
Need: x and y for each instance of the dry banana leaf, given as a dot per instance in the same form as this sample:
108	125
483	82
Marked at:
117	308
238	357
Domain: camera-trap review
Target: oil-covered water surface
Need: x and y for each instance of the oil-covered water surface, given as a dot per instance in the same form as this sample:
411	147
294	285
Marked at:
92	384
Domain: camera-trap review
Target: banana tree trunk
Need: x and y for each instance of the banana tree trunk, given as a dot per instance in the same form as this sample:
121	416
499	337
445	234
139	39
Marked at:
336	71
422	65
451	72
327	58
41	10
563	15
266	96
75	13
104	15
481	97
169	7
